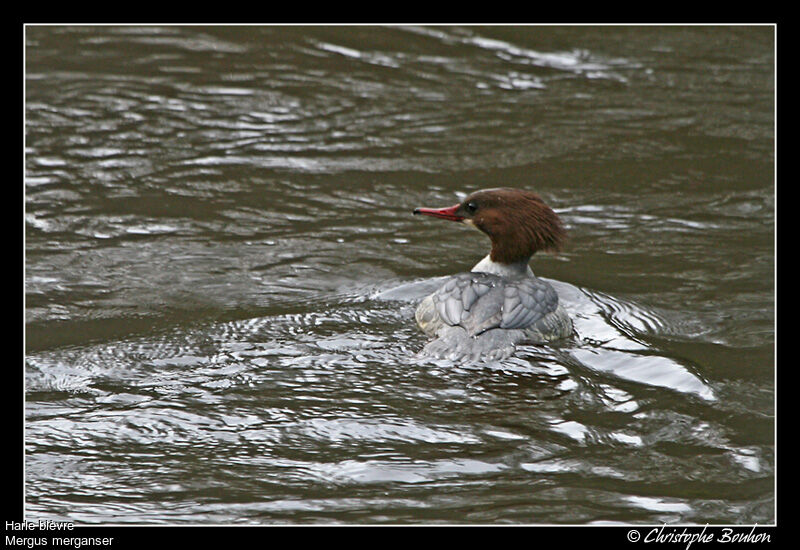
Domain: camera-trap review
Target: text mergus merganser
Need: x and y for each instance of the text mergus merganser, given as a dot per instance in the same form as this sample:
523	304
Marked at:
483	314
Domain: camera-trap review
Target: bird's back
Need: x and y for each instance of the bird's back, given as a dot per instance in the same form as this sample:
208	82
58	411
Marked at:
477	316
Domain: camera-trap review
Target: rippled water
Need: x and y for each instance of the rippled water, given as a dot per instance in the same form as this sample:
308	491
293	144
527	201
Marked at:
222	267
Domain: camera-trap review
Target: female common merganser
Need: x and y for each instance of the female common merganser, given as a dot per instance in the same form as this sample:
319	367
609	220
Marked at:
482	314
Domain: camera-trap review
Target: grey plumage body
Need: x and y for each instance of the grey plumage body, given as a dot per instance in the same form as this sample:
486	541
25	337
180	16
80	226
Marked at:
481	315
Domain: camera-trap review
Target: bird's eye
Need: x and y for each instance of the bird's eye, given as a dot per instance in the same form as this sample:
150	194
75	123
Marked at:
471	207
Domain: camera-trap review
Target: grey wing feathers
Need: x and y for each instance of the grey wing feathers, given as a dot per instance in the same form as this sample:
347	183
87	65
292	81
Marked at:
526	302
481	301
455	299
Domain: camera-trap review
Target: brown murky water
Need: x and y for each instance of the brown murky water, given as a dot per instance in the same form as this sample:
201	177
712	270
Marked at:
222	266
